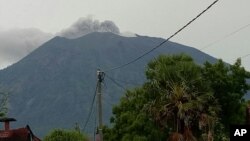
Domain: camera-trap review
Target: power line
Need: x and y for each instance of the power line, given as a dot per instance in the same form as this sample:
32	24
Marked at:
116	83
226	36
245	56
91	110
146	53
125	82
104	98
95	128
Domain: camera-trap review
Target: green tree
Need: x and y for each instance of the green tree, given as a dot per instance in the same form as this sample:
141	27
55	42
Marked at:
229	86
184	101
63	135
174	99
130	122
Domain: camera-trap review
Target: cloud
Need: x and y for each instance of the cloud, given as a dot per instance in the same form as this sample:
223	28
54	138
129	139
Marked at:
88	25
17	43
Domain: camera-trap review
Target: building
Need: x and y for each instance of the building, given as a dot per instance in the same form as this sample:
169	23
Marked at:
19	134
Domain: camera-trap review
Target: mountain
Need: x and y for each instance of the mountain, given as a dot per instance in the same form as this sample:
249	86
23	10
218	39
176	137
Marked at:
54	85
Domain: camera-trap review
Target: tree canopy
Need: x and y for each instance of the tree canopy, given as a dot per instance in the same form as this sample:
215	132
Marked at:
229	86
181	101
63	135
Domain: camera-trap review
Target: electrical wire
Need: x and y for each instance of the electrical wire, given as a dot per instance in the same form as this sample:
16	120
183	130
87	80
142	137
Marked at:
244	56
116	83
91	110
95	127
226	36
127	83
104	89
178	31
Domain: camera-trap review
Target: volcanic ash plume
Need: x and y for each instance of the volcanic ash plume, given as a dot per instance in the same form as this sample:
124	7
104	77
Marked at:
87	25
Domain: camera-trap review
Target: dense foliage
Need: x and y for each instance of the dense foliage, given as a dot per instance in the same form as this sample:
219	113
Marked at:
130	122
229	87
181	100
63	135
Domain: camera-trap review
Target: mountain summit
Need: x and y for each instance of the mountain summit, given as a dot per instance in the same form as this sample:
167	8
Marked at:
53	86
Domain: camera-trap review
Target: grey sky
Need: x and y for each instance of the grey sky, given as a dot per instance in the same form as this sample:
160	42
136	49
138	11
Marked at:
159	18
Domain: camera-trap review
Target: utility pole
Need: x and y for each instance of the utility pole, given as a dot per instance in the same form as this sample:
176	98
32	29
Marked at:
100	77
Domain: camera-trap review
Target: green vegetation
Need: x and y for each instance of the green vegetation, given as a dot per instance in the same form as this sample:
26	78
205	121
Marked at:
229	86
63	135
181	101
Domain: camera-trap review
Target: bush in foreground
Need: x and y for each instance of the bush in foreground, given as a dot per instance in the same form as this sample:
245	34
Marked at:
64	135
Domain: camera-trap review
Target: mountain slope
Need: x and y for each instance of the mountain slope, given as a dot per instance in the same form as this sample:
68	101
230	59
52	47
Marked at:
54	85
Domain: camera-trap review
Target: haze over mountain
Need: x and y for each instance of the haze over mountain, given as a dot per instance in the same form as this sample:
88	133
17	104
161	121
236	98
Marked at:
54	85
17	43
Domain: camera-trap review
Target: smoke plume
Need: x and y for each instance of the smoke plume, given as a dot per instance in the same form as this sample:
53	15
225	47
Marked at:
87	25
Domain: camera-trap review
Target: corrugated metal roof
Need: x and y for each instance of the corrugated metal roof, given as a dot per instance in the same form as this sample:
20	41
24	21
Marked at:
20	134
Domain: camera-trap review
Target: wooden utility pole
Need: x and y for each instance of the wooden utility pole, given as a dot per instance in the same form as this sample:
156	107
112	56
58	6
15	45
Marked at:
100	77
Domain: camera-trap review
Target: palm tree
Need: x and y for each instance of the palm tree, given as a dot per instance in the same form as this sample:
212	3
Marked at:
182	97
182	109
